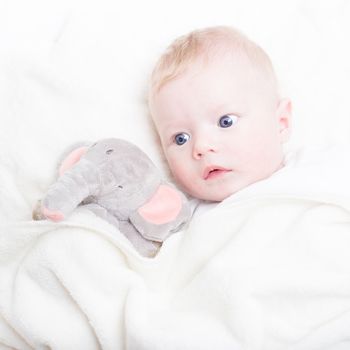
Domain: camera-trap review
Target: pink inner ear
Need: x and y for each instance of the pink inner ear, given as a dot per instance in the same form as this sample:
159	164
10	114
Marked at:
163	207
71	159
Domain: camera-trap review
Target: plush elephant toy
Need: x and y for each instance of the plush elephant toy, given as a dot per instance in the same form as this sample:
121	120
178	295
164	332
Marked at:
119	183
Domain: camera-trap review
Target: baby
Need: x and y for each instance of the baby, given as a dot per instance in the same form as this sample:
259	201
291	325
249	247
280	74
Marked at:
215	104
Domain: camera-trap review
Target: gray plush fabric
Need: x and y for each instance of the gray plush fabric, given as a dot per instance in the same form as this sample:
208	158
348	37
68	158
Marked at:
114	178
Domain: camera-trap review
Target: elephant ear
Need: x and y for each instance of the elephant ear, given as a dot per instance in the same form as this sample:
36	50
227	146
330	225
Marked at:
165	213
72	158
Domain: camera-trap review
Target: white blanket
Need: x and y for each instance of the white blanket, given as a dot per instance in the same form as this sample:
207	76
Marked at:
268	268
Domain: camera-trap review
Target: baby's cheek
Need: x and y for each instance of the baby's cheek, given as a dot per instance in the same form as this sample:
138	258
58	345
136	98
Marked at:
179	169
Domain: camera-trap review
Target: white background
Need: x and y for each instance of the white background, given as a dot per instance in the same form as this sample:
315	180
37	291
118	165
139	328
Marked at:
78	70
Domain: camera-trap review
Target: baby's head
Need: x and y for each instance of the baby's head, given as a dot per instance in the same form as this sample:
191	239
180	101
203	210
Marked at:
215	104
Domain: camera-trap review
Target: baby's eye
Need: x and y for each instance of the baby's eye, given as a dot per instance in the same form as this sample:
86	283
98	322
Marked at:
181	138
227	120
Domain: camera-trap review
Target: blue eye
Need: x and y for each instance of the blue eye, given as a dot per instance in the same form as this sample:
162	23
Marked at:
181	138
227	120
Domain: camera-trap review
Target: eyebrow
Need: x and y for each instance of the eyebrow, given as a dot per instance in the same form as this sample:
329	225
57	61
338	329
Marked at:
173	123
226	109
167	126
168	130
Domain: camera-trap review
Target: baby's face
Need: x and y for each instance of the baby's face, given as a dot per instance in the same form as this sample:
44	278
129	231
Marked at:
221	127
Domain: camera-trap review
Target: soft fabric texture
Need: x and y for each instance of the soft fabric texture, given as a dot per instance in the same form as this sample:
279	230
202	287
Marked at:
268	268
118	182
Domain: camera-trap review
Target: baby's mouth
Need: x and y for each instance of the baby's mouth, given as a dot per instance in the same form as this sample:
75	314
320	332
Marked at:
213	172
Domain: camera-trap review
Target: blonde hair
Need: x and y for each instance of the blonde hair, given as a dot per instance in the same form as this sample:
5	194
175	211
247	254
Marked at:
206	43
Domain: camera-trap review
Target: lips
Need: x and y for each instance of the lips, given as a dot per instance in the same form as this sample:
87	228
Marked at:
214	171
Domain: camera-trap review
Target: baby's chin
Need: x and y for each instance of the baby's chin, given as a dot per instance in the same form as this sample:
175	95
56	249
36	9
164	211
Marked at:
211	196
219	191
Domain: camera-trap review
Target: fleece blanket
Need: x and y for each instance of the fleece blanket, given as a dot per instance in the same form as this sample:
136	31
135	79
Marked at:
268	268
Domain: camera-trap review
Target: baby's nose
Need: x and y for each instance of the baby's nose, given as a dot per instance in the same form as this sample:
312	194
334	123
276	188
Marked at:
201	148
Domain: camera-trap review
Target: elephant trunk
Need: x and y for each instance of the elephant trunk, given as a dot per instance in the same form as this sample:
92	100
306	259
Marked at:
70	190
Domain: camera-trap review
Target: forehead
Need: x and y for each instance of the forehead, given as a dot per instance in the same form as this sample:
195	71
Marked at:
208	82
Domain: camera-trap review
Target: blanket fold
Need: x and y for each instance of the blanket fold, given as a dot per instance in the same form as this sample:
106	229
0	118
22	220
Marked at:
268	268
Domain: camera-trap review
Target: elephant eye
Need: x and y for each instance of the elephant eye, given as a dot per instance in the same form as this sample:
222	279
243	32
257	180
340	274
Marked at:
109	151
120	186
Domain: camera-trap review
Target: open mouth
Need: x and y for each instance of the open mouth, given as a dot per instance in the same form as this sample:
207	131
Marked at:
214	172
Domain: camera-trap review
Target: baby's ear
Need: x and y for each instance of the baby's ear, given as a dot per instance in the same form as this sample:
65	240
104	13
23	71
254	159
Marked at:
284	115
